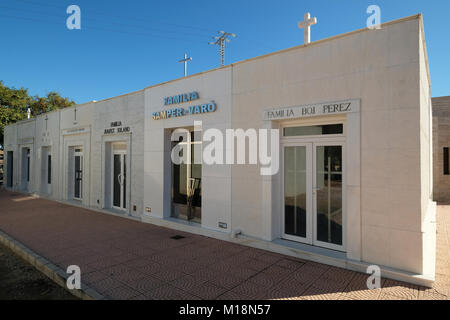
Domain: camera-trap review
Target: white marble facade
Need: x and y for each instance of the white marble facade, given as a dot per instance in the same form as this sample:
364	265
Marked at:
388	212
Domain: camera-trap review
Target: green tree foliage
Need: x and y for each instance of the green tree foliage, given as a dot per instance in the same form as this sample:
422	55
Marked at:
15	102
49	103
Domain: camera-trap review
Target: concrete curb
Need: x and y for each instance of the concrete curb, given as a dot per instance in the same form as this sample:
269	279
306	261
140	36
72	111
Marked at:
55	273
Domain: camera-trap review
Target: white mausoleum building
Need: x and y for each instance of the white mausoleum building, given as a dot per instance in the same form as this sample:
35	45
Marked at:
353	152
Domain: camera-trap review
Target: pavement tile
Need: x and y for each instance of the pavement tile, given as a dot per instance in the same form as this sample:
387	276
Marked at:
289	264
93	277
266	279
385	296
188	268
339	275
359	282
257	265
139	262
269	258
186	282
139	297
168	292
163	259
442	288
207	273
315	267
328	285
207	260
125	257
277	271
304	277
207	290
253	252
367	294
86	260
286	290
104	263
117	270
129	277
314	293
169	274
243	272
105	284
250	289
145	284
222	267
121	293
227	281
230	295
424	295
400	289
151	268
287	298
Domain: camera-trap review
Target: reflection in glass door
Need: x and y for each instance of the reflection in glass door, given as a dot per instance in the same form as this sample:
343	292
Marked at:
119	179
28	165
78	190
297	190
186	179
10	169
313	194
328	196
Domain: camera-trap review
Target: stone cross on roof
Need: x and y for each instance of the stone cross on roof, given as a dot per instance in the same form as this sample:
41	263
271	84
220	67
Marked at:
306	24
185	61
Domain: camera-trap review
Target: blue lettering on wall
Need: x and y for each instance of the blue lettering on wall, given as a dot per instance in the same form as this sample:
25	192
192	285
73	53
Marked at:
179	112
181	98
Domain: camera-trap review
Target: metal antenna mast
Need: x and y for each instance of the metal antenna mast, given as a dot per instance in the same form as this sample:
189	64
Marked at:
220	40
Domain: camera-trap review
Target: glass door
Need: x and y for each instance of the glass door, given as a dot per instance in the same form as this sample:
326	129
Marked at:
313	194
10	168
187	179
328	195
119	179
78	190
25	169
28	165
297	192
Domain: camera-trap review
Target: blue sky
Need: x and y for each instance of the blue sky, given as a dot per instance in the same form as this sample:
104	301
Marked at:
125	46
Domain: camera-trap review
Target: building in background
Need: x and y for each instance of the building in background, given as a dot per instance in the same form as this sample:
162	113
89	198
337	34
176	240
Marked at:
441	147
354	185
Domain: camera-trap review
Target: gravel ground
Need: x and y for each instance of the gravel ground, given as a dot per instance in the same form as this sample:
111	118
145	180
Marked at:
21	281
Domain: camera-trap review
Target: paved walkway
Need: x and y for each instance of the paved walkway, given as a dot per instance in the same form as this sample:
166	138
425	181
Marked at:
125	259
